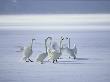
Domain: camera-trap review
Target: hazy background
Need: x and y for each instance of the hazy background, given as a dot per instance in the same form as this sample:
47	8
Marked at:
54	6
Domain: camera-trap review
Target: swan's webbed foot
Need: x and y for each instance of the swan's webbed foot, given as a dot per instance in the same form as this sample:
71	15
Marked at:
55	61
27	61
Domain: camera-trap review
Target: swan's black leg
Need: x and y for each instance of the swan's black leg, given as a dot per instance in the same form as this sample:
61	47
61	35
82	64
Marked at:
74	57
41	62
27	60
30	60
53	61
56	61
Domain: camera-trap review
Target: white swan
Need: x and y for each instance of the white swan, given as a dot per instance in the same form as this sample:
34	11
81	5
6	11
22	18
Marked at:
54	55
27	52
42	56
73	51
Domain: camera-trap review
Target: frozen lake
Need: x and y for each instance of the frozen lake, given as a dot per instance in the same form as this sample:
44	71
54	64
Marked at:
92	63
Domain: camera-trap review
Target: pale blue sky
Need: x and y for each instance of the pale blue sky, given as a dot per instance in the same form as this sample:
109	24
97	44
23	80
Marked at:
54	6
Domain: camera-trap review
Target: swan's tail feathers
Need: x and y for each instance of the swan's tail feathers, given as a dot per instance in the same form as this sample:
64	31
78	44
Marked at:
21	49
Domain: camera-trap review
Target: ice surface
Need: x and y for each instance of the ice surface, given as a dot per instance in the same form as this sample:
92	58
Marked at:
92	63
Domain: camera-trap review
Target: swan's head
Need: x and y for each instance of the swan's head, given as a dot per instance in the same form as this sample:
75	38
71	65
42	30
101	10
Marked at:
62	38
33	39
67	38
49	38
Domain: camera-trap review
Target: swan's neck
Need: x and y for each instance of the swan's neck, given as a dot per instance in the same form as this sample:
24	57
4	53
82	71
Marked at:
31	43
69	43
46	45
60	45
46	40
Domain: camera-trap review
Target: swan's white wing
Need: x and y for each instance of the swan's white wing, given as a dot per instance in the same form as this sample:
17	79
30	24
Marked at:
27	52
53	54
50	54
41	57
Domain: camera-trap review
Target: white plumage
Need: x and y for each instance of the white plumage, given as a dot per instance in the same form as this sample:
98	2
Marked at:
42	56
53	54
73	51
27	52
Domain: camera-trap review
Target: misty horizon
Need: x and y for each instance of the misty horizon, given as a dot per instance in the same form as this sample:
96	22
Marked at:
55	15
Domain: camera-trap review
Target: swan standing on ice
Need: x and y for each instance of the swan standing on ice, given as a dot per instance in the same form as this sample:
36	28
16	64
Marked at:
27	52
73	51
54	55
42	56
